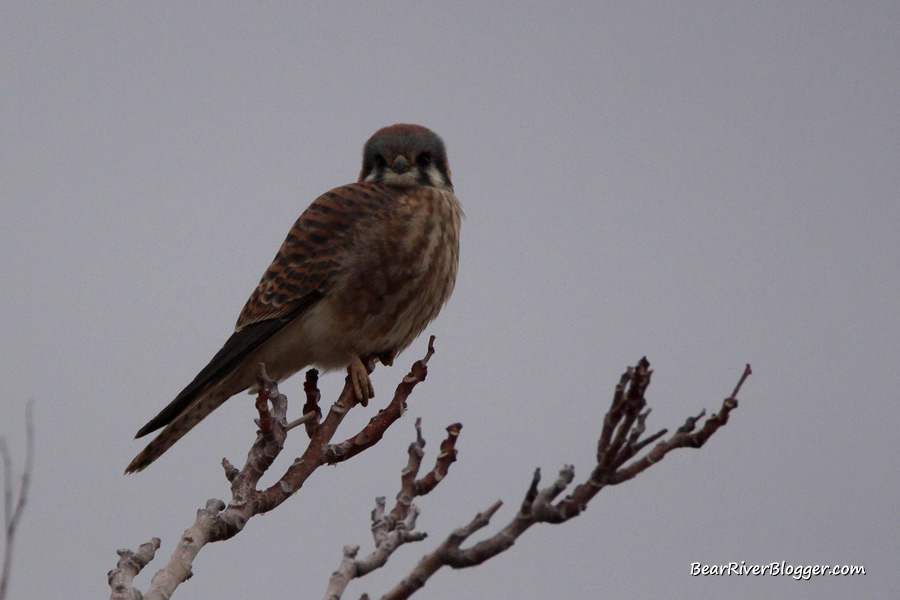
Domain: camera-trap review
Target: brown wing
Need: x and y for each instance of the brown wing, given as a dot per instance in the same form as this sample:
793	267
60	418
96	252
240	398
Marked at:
311	254
298	277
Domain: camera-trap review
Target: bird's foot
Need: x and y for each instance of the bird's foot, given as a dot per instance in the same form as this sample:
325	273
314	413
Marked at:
359	376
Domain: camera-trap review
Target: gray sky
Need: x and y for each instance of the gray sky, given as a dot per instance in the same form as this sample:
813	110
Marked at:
708	185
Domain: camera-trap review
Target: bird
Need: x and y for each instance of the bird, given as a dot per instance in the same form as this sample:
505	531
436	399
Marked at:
364	269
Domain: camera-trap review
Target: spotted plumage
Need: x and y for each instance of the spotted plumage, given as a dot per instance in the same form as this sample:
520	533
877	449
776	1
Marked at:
361	273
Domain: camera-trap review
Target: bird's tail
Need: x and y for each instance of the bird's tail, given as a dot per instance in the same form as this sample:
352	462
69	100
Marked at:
177	428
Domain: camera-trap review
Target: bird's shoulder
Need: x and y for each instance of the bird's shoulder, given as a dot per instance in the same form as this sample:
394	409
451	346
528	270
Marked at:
311	253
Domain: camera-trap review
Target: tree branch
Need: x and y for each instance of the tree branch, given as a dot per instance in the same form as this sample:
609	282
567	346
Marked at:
392	530
621	455
121	579
619	442
12	509
218	521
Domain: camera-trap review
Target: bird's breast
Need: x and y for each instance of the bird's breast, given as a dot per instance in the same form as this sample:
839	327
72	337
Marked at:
401	271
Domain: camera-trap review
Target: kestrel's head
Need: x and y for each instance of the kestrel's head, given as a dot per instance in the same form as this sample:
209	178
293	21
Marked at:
406	156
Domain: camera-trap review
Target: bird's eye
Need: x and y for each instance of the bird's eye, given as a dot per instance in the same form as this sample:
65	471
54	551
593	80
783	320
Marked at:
379	162
424	159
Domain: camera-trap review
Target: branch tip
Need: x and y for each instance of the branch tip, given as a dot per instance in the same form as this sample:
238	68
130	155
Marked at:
747	373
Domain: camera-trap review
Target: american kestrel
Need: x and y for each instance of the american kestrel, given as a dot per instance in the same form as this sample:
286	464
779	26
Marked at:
362	272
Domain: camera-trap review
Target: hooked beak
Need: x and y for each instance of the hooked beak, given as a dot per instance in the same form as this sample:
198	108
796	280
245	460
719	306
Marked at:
400	165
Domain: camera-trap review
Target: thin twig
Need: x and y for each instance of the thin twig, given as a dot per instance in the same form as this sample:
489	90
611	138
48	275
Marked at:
13	514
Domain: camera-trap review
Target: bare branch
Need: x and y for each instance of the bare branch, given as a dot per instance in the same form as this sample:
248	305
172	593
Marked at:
218	521
12	510
392	530
208	527
621	455
619	442
121	579
447	553
313	395
372	433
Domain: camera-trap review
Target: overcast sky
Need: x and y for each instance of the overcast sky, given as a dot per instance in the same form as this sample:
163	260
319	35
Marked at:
707	184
